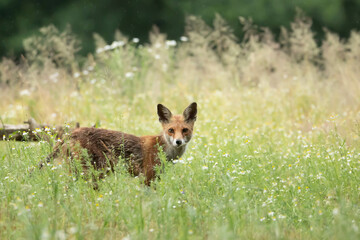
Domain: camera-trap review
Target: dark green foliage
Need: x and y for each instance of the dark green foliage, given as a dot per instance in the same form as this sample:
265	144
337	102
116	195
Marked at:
20	19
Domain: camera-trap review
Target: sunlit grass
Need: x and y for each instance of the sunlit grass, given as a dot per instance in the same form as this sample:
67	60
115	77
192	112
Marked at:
275	152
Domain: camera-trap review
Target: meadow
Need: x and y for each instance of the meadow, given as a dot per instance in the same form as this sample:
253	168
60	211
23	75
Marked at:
275	154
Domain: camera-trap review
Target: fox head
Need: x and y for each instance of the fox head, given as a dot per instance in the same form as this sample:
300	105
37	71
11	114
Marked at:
178	129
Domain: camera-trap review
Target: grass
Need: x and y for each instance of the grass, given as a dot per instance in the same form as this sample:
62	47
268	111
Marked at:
275	152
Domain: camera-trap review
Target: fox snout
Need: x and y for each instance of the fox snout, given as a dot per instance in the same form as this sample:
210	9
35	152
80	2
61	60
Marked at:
178	142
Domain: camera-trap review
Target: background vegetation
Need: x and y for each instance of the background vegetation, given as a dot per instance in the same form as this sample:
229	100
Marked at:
20	20
275	152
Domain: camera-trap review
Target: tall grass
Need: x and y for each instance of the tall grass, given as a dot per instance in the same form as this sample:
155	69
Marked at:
275	152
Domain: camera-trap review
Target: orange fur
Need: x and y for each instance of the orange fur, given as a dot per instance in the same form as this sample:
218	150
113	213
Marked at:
105	147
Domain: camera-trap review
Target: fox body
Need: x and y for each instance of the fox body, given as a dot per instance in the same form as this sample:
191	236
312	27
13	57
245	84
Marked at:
105	147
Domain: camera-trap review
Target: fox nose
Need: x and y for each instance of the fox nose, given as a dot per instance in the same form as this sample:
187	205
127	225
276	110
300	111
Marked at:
178	142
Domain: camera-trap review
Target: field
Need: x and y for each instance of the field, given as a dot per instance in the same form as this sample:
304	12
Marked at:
276	150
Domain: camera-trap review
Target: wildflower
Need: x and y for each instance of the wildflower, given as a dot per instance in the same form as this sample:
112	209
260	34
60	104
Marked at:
335	211
262	219
40	204
100	50
72	230
135	40
76	75
184	39
151	230
270	214
178	161
116	44
319	176
25	92
171	43
205	167
129	75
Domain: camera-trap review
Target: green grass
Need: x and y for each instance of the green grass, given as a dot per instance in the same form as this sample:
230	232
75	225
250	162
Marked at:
275	154
239	179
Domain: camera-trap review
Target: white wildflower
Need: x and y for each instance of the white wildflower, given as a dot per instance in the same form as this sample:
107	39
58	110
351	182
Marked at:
135	40
129	75
25	92
171	43
72	230
184	39
100	50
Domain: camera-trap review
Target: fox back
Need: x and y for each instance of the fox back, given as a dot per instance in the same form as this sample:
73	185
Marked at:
105	147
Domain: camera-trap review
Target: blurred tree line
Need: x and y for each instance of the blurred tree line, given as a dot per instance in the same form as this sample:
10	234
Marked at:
21	19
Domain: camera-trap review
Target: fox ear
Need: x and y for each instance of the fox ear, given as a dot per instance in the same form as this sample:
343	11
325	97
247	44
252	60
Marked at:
163	113
190	113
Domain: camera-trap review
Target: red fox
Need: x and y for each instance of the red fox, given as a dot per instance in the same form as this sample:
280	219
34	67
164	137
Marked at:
105	147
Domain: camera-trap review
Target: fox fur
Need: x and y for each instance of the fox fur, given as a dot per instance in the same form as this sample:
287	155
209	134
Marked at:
105	147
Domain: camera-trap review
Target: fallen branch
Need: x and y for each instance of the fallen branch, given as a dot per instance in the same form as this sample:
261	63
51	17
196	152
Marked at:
33	131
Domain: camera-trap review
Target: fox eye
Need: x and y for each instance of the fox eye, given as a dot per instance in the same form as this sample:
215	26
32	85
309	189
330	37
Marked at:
185	130
171	130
